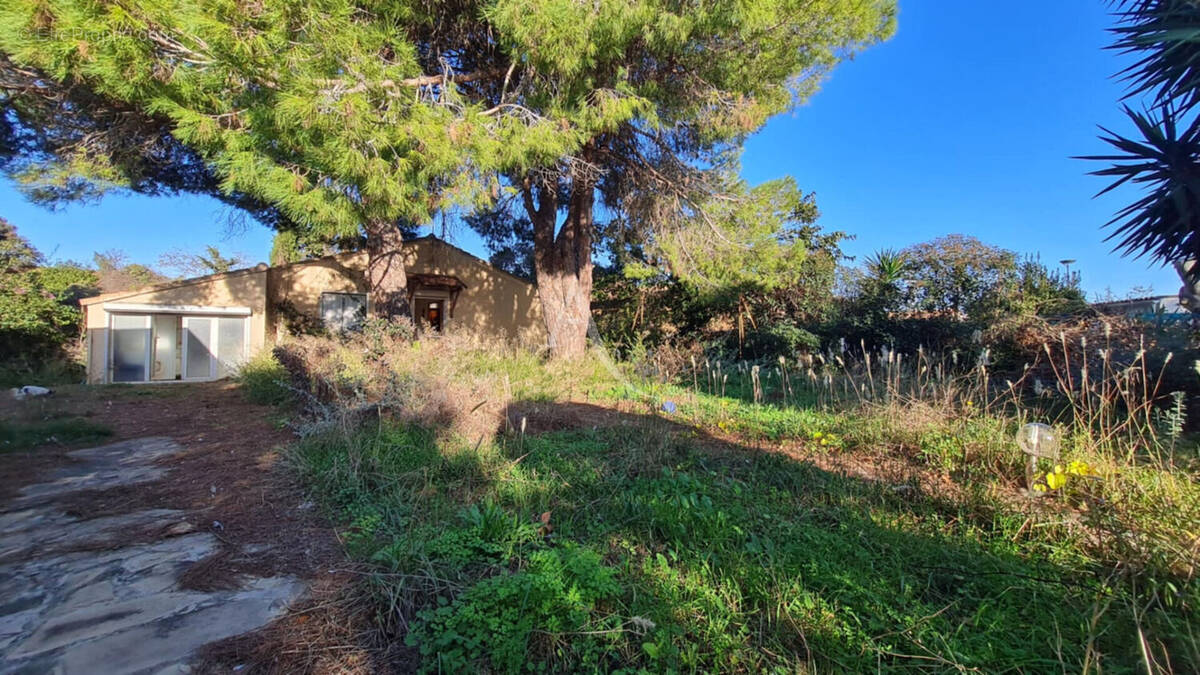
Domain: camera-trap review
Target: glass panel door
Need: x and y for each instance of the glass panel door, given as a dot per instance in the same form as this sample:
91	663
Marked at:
166	352
231	345
198	359
130	347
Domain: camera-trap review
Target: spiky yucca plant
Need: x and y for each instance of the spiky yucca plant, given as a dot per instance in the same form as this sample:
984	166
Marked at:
887	266
1165	160
1165	36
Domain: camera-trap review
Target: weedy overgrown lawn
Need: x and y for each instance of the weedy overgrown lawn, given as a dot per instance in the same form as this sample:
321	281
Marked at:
702	540
644	546
22	435
46	421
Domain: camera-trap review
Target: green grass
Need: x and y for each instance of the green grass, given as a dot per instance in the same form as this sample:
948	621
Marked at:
669	555
976	446
67	431
696	541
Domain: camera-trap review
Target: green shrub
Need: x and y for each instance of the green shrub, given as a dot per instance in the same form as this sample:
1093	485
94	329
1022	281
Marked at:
497	618
781	338
42	372
39	309
489	533
264	380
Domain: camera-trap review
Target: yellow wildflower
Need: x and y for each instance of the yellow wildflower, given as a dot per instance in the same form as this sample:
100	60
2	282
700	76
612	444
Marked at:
1080	468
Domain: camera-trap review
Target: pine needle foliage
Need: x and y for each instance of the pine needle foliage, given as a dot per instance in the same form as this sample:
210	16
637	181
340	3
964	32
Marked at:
341	112
753	242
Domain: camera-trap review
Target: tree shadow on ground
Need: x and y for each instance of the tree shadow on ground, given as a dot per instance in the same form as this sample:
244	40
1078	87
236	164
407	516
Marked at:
747	558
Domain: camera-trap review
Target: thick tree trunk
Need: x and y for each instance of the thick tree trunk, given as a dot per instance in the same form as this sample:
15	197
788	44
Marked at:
387	282
563	263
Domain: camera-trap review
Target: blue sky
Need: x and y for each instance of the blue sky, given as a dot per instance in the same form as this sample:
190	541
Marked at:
964	122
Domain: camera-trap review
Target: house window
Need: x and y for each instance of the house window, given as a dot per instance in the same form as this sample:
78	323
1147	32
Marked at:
343	311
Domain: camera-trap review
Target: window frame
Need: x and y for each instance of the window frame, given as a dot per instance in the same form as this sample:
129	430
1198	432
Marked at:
366	310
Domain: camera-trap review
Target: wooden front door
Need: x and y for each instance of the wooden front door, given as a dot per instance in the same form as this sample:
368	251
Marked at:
430	312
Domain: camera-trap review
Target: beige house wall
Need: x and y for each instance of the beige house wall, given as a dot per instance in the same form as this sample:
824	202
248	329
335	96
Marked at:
246	288
493	303
299	286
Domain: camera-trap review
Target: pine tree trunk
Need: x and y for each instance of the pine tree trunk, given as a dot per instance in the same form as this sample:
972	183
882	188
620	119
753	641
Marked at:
387	281
564	266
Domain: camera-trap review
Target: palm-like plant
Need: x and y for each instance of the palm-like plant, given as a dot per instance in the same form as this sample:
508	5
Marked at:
1165	35
887	266
1165	160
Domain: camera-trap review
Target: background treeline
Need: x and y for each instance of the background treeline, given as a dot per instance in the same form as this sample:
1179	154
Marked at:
39	310
944	294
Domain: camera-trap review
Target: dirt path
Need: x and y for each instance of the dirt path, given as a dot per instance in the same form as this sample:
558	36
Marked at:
128	557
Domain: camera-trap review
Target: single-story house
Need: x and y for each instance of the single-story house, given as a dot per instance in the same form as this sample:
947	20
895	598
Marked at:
1143	308
204	328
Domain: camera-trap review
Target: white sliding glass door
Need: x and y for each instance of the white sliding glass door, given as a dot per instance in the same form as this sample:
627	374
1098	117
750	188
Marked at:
231	344
166	347
199	362
213	346
130	355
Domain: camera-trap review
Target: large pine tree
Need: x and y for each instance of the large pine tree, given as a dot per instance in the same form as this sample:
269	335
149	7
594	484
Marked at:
345	114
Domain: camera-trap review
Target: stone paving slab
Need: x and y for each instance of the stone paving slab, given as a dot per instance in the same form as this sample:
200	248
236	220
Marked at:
25	532
108	466
113	607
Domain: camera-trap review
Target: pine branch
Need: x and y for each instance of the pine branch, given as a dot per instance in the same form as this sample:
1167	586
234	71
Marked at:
336	87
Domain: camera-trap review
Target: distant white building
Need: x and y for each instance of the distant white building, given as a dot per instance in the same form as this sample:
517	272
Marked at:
1147	307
